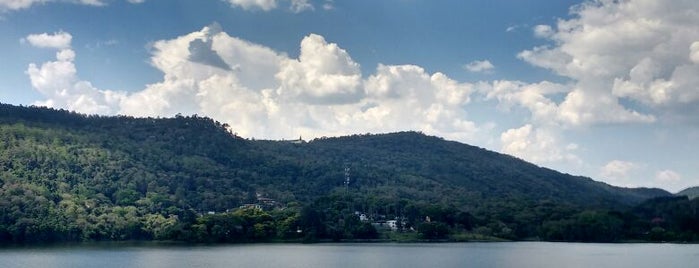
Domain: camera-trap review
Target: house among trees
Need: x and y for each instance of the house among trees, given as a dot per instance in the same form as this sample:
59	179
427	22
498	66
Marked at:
362	217
392	225
262	203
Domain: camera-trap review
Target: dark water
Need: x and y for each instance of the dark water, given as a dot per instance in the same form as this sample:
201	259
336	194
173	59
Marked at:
525	254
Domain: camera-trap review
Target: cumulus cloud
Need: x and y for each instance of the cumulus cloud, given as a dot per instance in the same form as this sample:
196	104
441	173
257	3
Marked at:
479	66
617	171
672	180
265	5
578	107
639	50
200	51
65	55
668	176
329	5
264	93
530	96
58	81
538	145
324	73
57	40
298	6
18	4
543	31
6	5
694	52
582	107
92	2
295	6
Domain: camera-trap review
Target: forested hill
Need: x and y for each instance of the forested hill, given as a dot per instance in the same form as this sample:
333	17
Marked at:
67	176
478	172
692	192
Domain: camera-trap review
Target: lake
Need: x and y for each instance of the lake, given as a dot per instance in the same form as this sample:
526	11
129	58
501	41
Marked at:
506	254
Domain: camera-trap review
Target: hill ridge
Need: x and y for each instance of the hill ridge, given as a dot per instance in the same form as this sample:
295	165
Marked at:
90	171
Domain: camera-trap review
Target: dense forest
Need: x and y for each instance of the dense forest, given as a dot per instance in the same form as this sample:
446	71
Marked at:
71	177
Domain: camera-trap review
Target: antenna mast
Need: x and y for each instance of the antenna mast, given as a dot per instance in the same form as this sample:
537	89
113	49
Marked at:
347	178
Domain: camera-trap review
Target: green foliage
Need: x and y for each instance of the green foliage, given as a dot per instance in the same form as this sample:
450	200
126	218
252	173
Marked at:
71	177
692	192
592	226
433	230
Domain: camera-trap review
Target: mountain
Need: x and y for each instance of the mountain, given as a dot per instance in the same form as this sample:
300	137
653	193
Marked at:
68	176
692	192
477	172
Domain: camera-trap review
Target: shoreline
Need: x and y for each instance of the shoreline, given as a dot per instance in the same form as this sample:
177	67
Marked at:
155	243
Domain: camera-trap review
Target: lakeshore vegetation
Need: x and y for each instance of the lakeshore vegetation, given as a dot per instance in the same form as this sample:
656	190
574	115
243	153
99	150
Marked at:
71	177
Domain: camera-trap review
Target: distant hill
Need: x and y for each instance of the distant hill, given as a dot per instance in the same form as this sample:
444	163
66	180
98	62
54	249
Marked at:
478	172
73	174
692	192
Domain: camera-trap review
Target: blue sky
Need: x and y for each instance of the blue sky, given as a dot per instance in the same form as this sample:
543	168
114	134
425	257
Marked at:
605	89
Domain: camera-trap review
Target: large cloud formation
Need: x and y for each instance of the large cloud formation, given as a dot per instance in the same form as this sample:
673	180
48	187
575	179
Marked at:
7	5
626	62
640	52
263	93
58	81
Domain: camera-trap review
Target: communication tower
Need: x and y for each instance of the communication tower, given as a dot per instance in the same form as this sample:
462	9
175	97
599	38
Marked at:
347	178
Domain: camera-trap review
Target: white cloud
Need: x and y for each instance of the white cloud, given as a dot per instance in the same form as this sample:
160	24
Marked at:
265	5
668	177
18	4
266	94
324	73
671	180
582	107
578	108
58	81
480	66
530	96
6	5
298	6
65	55
694	52
514	28
543	31
630	174
540	146
640	50
329	5
136	1
92	2
58	40
617	172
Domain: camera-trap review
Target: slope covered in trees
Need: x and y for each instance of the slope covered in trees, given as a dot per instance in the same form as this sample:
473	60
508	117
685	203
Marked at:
67	176
692	192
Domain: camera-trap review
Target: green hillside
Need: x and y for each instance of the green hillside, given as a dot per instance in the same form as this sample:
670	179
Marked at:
692	192
67	176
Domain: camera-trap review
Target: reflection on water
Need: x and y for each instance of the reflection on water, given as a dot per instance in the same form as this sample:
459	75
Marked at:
524	254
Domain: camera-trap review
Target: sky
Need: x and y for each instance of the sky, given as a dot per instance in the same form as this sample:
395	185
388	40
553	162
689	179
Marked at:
604	89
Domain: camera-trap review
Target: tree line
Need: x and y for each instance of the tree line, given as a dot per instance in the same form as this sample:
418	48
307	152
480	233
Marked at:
71	177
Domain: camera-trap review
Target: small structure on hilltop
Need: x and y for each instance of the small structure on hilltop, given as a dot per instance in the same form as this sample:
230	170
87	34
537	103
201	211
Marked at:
298	141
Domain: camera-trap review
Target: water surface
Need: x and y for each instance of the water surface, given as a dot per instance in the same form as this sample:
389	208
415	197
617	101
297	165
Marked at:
510	254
